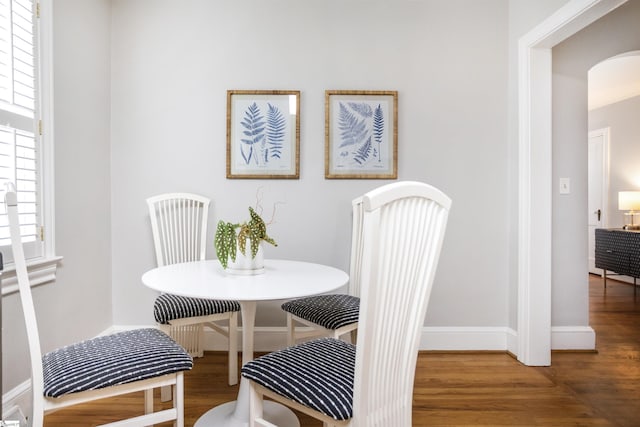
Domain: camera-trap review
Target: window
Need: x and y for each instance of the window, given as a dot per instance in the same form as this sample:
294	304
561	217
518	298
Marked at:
21	156
18	143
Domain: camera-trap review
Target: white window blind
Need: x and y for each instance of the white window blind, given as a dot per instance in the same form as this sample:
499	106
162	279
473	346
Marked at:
19	144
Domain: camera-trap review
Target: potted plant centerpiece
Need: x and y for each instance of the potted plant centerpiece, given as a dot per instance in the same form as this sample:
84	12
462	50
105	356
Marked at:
231	244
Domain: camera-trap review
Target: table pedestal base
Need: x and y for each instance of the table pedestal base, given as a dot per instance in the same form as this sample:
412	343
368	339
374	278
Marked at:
223	415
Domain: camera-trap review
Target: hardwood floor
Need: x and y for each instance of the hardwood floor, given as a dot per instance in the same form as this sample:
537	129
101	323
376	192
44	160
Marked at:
473	389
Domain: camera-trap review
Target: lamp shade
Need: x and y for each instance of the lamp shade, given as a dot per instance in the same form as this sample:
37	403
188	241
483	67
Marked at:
629	200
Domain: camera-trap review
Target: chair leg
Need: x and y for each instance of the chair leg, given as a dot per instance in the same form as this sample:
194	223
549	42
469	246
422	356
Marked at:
37	418
148	402
233	348
165	393
255	406
178	399
199	345
291	331
256	409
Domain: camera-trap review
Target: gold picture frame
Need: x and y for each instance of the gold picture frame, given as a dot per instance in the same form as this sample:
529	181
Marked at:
361	134
263	134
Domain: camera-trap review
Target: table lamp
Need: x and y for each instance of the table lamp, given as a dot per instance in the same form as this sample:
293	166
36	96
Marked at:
629	201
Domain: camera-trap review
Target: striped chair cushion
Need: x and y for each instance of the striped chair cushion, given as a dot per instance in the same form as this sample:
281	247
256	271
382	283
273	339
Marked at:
112	360
317	374
168	307
329	311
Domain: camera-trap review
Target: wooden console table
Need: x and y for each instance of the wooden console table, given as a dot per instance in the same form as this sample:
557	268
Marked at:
618	250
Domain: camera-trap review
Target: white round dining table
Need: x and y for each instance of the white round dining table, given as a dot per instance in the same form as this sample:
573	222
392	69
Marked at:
282	279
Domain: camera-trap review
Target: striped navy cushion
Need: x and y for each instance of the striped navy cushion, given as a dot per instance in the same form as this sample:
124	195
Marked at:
317	374
112	360
329	311
169	307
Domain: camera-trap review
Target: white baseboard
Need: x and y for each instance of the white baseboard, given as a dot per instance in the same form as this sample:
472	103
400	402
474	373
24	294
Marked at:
613	276
626	279
464	338
270	338
17	402
438	339
573	338
265	338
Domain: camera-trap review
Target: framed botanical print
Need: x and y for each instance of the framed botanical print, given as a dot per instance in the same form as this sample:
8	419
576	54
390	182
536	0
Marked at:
361	134
263	134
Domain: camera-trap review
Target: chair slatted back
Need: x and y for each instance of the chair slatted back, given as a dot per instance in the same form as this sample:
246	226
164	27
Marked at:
357	242
404	225
179	226
26	299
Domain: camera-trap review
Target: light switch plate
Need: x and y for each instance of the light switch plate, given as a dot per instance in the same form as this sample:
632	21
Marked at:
565	185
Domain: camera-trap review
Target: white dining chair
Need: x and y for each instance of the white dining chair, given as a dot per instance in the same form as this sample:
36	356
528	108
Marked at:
330	314
107	366
179	226
370	383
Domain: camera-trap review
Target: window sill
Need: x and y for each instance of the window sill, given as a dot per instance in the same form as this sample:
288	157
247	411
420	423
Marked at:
41	271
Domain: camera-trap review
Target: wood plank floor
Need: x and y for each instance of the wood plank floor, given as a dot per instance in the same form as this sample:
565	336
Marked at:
472	389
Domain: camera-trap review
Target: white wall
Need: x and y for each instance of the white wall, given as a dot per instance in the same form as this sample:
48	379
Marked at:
78	304
615	33
173	62
624	151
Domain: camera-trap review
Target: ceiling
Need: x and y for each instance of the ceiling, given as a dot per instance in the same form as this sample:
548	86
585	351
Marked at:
614	80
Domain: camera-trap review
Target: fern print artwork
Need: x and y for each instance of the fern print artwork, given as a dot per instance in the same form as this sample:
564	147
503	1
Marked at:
361	137
361	128
262	134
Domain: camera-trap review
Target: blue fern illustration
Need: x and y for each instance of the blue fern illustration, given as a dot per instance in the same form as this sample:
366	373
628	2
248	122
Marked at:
361	108
253	124
276	125
362	153
378	128
352	130
362	132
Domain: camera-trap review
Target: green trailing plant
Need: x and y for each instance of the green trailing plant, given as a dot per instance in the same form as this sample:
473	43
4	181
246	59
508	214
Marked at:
230	236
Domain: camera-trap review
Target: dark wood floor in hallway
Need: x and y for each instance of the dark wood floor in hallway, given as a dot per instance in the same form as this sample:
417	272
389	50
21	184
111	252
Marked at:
472	389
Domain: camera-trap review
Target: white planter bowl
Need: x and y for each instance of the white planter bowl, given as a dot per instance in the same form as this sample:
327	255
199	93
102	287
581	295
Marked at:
245	265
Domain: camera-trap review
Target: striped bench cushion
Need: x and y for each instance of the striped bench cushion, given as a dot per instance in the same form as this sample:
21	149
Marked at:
168	307
317	374
112	360
329	311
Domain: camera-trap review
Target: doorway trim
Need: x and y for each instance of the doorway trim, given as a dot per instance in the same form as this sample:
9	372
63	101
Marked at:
603	184
535	172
